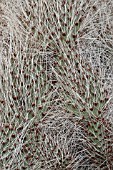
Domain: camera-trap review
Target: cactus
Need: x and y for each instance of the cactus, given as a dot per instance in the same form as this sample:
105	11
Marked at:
26	95
44	75
84	96
61	142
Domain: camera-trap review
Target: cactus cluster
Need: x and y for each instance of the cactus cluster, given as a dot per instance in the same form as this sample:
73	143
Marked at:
26	94
84	96
54	107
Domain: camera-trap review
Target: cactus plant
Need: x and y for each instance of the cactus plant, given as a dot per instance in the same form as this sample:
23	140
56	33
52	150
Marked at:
26	94
84	96
29	94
